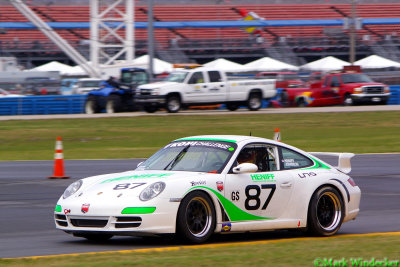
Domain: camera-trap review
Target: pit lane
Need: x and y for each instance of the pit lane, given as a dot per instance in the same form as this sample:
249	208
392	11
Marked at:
27	200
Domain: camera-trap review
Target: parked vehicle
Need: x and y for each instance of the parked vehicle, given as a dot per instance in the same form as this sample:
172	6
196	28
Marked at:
67	85
346	88
5	93
117	96
84	85
203	86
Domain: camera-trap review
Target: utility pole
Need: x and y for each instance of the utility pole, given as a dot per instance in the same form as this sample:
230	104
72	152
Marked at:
150	38
353	32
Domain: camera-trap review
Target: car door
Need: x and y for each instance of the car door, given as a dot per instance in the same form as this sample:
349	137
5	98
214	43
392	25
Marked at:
197	88
216	87
263	194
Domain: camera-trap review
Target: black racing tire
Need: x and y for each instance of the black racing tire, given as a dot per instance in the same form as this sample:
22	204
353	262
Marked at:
113	104
150	109
232	106
347	100
254	102
173	104
301	103
96	237
91	105
196	218
325	212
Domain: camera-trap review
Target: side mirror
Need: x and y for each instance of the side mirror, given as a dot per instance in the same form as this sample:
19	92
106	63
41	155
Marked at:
245	168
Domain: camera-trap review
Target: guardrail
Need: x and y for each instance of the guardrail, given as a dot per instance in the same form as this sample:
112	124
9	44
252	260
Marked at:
73	104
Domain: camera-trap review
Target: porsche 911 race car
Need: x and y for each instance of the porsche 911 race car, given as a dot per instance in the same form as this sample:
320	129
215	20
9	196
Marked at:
201	185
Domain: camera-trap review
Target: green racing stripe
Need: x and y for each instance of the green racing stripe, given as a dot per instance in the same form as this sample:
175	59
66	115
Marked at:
235	214
317	165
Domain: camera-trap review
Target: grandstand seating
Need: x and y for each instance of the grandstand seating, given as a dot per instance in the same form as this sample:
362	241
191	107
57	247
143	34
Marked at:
71	13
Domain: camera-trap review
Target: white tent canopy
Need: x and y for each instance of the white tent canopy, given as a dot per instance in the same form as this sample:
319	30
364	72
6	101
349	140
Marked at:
376	62
269	64
54	66
225	65
325	64
159	66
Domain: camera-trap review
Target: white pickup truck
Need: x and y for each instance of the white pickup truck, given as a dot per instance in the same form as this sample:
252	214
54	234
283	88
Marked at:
203	86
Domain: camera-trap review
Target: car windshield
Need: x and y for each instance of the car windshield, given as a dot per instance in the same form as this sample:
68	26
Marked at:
196	156
135	77
178	77
356	78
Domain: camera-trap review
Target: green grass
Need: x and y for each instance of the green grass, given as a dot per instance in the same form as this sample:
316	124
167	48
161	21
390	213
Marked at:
290	252
137	137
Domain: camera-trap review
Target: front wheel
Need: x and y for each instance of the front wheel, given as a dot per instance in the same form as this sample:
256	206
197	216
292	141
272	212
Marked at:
326	212
173	104
196	218
254	102
347	100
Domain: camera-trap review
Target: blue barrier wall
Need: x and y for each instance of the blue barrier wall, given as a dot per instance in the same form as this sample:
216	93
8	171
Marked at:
73	104
33	105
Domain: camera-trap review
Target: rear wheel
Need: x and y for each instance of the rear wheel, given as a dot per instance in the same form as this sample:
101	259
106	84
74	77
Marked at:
232	106
326	212
301	102
113	104
196	217
173	104
254	102
91	106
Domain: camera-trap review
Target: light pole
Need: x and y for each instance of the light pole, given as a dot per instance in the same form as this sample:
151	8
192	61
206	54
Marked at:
150	38
353	32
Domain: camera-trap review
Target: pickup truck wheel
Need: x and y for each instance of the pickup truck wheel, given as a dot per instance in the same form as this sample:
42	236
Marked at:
301	102
347	100
173	104
91	106
232	106
254	102
150	109
113	104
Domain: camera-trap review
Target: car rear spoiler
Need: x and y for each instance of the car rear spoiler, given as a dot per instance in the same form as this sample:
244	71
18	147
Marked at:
344	164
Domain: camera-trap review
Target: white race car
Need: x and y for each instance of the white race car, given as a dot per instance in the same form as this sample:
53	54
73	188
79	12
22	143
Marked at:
201	185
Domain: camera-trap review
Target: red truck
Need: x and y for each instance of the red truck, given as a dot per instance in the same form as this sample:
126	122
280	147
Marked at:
344	88
283	79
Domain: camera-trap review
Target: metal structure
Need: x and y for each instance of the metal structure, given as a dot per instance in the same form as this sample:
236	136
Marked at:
54	37
111	31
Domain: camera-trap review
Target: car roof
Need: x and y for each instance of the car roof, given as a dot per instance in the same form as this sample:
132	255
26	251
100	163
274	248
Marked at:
228	138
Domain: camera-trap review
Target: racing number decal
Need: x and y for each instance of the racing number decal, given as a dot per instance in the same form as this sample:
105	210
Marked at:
126	186
256	197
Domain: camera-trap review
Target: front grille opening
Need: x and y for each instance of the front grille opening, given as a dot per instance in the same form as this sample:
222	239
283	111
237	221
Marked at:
129	219
61	217
61	223
128	222
88	223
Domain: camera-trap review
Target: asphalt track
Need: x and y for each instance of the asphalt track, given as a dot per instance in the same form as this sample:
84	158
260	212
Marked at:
27	200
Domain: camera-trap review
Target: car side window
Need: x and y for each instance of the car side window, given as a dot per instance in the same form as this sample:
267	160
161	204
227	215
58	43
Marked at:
197	77
262	155
335	82
293	160
215	76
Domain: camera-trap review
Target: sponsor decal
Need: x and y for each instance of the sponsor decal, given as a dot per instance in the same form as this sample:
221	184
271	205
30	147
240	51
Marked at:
220	186
85	208
290	163
138	176
197	183
270	177
235	196
306	174
226	227
199	143
67	211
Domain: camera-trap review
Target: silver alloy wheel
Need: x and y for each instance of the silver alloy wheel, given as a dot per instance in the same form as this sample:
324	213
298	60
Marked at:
255	102
328	211
173	104
348	101
198	217
110	107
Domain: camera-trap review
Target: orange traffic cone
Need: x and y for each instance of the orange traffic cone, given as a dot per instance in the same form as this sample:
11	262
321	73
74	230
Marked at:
58	161
277	134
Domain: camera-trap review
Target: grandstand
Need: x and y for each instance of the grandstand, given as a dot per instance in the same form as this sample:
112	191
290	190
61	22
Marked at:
293	44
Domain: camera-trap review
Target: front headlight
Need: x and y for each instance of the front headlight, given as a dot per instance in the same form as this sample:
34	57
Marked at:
155	91
358	90
386	89
152	191
72	188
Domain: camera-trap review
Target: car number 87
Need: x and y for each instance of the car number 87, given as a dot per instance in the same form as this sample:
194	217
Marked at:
249	191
